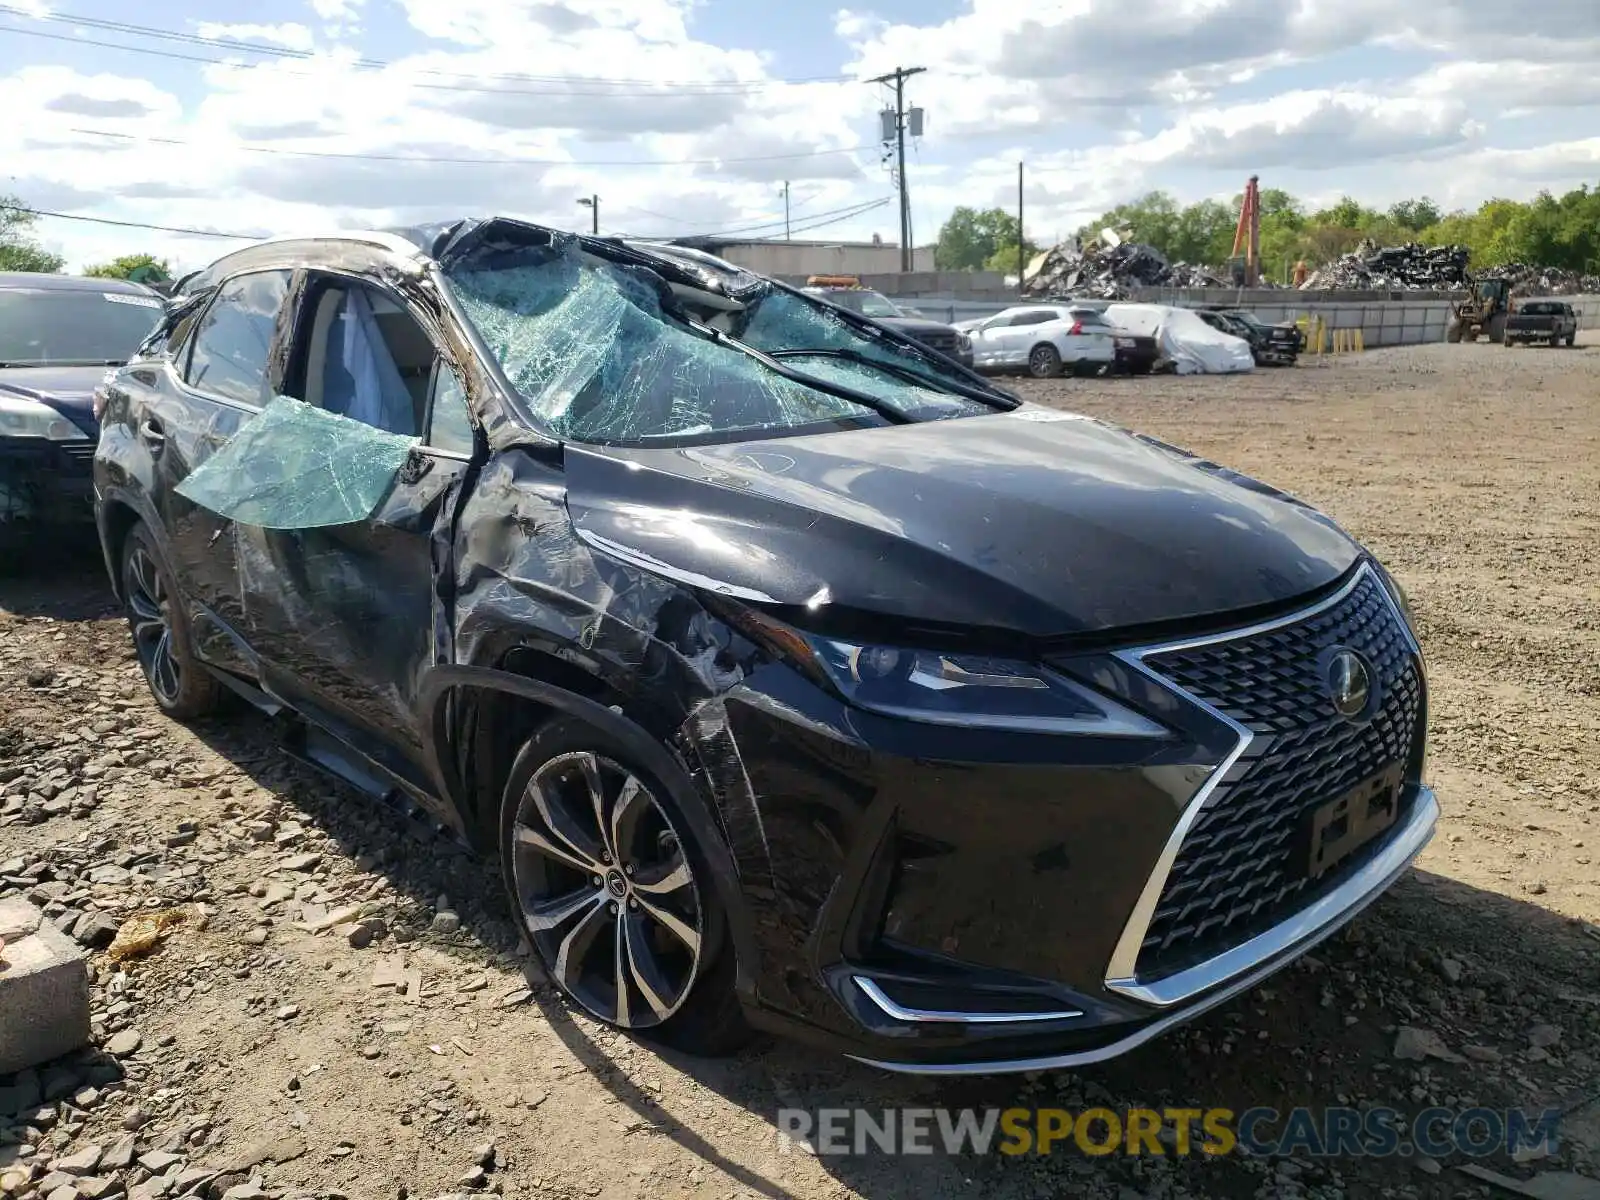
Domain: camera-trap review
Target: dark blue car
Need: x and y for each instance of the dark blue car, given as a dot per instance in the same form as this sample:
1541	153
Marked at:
58	334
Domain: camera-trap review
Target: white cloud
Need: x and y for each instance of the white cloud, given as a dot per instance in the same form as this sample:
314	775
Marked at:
336	10
1320	129
1101	102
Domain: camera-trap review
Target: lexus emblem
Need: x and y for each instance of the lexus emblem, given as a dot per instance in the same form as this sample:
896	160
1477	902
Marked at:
1349	683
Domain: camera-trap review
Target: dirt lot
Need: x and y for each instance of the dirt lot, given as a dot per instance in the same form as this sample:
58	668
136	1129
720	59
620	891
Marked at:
257	1048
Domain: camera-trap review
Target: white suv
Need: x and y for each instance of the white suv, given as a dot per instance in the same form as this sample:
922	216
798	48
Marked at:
1044	339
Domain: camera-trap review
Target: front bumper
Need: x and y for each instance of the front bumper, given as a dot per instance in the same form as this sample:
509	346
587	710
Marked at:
1245	967
45	485
956	900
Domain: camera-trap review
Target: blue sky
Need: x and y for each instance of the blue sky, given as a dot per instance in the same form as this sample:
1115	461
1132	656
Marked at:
1102	99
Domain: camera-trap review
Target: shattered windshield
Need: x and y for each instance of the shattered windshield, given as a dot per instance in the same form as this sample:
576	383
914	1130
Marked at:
588	345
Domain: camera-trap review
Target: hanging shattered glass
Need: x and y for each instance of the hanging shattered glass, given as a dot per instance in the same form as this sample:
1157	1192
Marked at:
780	320
298	467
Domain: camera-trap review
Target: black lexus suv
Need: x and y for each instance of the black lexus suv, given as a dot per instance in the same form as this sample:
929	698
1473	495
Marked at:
794	676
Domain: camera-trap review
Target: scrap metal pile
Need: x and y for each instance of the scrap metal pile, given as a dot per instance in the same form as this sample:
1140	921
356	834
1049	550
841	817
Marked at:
1412	267
1108	268
1546	281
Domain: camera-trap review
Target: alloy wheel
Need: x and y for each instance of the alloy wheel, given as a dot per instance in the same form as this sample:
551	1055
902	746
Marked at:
606	889
1044	363
148	614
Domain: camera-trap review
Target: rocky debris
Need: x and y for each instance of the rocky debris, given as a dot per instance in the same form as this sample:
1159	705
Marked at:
95	930
1542	1037
1415	1045
1107	270
125	1043
1550	1185
1412	267
445	921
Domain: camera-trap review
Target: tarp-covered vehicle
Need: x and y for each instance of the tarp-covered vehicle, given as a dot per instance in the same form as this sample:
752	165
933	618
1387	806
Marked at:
789	670
1193	346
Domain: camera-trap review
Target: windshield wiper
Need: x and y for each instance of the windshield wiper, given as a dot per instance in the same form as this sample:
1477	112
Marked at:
61	362
909	374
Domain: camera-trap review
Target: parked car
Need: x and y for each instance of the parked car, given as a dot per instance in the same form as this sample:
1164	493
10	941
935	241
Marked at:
1044	340
1270	345
1552	321
792	675
848	293
58	334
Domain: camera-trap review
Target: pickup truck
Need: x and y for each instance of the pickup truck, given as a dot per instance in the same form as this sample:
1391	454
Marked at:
1270	345
1550	321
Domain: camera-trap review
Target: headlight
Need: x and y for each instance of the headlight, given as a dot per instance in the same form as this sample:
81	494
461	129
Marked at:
1401	600
972	690
963	341
20	417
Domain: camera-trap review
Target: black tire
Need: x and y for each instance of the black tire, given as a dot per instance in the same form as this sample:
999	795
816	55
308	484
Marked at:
1572	338
1452	332
655	884
1044	361
1496	328
181	687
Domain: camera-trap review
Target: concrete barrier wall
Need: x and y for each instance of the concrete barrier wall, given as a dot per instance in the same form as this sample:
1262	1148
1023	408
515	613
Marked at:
1385	319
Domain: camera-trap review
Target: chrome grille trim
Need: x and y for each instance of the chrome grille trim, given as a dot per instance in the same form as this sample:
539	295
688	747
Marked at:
1122	970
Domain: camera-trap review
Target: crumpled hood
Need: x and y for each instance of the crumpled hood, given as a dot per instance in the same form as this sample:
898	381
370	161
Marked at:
68	390
1034	522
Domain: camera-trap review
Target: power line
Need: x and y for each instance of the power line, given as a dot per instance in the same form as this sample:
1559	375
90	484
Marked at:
466	161
866	208
596	86
818	220
843	215
60	216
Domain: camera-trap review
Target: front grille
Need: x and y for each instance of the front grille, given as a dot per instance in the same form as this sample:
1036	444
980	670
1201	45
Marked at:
80	452
1242	867
942	340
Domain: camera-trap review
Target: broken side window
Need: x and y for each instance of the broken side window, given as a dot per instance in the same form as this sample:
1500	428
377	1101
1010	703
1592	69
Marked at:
298	467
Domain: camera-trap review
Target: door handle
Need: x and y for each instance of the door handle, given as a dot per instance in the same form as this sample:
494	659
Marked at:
150	433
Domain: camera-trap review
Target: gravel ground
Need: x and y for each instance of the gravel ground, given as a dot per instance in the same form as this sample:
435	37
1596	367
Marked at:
344	1010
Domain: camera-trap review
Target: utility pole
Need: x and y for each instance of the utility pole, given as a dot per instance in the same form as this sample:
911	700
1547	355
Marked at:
593	202
786	210
898	77
1022	254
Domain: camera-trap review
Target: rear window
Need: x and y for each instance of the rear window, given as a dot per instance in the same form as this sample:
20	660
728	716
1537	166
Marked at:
1542	309
58	327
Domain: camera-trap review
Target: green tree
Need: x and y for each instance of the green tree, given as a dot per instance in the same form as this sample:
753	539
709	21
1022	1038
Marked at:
143	267
1004	259
1415	215
970	238
1203	232
18	250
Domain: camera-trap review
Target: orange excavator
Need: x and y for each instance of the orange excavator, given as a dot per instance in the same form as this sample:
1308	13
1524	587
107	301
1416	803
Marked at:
1245	261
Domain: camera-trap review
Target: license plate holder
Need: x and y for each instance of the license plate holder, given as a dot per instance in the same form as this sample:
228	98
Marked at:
1339	827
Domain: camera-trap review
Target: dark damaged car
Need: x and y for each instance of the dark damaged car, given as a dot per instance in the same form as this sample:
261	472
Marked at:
792	675
58	334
